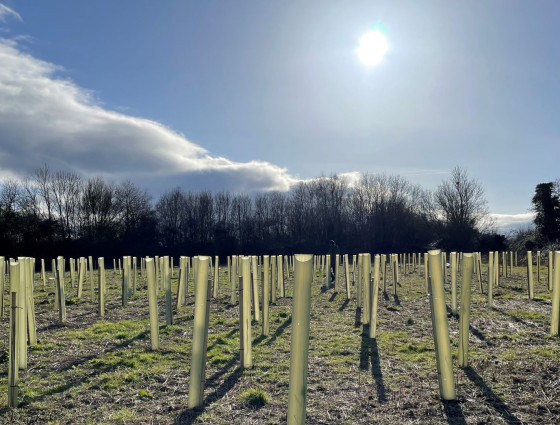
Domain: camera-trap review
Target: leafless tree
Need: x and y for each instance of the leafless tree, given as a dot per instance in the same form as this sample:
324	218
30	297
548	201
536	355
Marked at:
42	178
98	213
463	207
66	188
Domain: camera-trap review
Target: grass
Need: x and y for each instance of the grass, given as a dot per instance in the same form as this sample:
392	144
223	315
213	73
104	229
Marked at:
94	370
254	397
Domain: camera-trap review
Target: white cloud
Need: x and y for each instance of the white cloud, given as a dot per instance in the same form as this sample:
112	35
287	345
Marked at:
5	12
506	222
47	119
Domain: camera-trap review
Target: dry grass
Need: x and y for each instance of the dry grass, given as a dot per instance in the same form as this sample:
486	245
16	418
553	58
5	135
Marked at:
102	371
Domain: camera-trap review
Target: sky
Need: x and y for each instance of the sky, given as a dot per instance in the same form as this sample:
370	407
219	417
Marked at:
257	95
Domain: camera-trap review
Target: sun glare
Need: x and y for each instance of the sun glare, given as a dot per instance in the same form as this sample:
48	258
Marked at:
373	47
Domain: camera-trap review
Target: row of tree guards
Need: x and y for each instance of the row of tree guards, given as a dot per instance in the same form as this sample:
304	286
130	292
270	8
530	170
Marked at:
243	278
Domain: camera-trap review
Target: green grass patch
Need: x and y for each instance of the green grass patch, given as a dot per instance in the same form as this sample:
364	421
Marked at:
254	397
531	315
550	352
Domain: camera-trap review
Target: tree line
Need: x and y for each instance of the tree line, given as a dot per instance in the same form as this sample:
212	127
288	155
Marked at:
61	213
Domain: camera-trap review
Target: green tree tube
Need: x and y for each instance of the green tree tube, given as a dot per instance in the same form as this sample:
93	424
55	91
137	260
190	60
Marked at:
360	281
468	261
101	286
497	268
234	278
530	284
347	273
354	261
511	263
200	332
453	259
72	272
281	277
81	273
440	328
265	291
395	273
336	271
167	280
366	273
91	282
297	391
426	274
374	298
181	284
255	286
538	266
134	274
384	272
30	303
152	303
490	277
60	291
245	310
555	317
550	267
43	274
124	283
216	276
157	271
328	273
13	362
19	281
273	279
444	267
229	268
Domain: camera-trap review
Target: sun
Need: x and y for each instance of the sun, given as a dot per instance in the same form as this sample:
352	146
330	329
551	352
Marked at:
373	47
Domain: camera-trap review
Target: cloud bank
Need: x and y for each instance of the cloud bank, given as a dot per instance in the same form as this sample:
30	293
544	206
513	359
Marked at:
48	119
507	222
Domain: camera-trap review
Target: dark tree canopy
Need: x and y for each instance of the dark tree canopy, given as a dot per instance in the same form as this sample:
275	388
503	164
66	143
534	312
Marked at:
546	204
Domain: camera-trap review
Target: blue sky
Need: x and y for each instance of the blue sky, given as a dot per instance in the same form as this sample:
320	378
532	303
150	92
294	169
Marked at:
249	95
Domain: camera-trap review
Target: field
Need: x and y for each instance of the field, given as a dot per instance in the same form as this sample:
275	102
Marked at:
102	371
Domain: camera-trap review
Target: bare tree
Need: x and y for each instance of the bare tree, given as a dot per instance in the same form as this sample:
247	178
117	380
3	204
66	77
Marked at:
463	207
98	213
42	178
66	187
29	199
132	205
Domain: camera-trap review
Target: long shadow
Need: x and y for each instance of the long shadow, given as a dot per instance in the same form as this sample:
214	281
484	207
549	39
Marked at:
333	296
477	333
259	339
453	412
397	300
189	416
344	305
369	351
385	296
279	331
358	317
515	318
491	398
